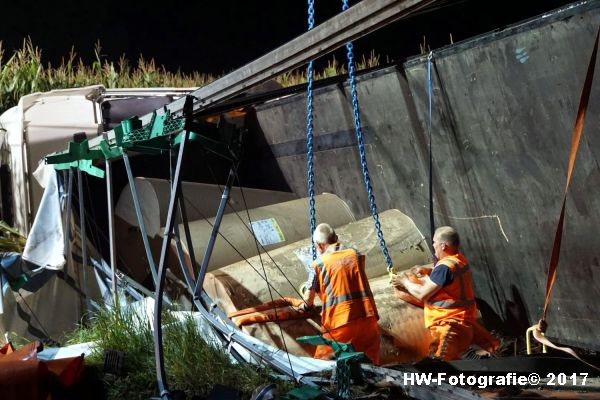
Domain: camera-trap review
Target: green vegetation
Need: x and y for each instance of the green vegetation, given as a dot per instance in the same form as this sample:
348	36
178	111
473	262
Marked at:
24	72
11	239
191	364
334	68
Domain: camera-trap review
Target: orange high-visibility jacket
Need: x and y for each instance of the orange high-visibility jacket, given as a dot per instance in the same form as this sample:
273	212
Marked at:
455	301
343	287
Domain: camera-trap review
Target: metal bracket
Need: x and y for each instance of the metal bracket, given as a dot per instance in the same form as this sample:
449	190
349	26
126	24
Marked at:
78	155
346	361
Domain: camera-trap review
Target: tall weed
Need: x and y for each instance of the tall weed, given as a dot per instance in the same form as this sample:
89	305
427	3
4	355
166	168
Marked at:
191	363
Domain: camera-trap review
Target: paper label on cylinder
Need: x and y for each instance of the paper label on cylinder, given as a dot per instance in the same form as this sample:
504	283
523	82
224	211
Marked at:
267	231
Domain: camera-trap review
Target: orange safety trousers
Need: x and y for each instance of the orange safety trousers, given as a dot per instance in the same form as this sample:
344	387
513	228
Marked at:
449	339
363	333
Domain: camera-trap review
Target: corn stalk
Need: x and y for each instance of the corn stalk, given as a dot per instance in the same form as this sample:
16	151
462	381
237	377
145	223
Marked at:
11	239
24	72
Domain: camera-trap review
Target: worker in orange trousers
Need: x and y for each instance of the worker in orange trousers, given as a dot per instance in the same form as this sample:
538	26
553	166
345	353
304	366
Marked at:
450	311
349	314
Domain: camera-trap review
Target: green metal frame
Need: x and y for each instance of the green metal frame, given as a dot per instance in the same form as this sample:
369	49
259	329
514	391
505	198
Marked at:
346	361
78	155
154	138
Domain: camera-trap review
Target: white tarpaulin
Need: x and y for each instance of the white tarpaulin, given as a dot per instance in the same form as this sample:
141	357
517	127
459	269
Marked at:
45	243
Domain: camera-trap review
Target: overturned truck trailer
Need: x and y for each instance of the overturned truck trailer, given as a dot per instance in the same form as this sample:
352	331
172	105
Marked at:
499	142
42	123
504	106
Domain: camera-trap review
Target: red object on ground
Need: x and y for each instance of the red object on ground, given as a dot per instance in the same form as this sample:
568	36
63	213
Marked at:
24	377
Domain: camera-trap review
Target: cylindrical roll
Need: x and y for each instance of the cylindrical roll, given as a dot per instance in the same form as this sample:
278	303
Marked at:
275	226
201	200
404	337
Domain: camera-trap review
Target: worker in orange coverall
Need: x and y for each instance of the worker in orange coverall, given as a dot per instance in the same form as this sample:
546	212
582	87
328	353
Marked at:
449	300
349	314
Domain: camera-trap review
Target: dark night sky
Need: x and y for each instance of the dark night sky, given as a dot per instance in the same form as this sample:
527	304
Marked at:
219	36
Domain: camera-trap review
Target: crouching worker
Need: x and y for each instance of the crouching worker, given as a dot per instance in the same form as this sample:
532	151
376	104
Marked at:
449	300
349	314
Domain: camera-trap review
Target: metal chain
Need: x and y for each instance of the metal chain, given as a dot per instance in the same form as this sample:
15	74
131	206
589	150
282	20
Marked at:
361	149
429	129
309	136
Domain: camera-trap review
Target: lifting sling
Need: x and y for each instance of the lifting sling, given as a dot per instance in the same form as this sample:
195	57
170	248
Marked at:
541	326
270	312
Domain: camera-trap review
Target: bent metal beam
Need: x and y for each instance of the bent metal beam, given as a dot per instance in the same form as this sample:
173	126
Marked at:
358	21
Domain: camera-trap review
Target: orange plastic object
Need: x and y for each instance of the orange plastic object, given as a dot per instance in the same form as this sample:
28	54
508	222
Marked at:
282	302
24	377
276	310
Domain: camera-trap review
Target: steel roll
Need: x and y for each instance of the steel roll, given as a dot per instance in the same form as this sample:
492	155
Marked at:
243	284
274	226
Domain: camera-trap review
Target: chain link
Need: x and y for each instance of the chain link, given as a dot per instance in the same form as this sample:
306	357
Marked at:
429	130
361	149
309	136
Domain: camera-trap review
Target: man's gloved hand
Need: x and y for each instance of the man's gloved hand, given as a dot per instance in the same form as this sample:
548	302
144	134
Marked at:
305	307
420	270
397	281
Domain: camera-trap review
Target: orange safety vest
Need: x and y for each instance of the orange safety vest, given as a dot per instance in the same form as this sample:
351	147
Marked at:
343	287
455	301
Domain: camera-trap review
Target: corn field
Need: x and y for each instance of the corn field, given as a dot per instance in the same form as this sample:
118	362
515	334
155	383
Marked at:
23	72
333	68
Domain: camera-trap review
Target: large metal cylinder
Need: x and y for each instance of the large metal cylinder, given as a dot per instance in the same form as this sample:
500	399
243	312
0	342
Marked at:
275	226
242	285
201	200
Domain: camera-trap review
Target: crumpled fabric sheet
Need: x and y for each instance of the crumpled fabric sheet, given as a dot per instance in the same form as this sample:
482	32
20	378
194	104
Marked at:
45	243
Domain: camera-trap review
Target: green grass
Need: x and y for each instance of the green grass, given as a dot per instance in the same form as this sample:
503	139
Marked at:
191	364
